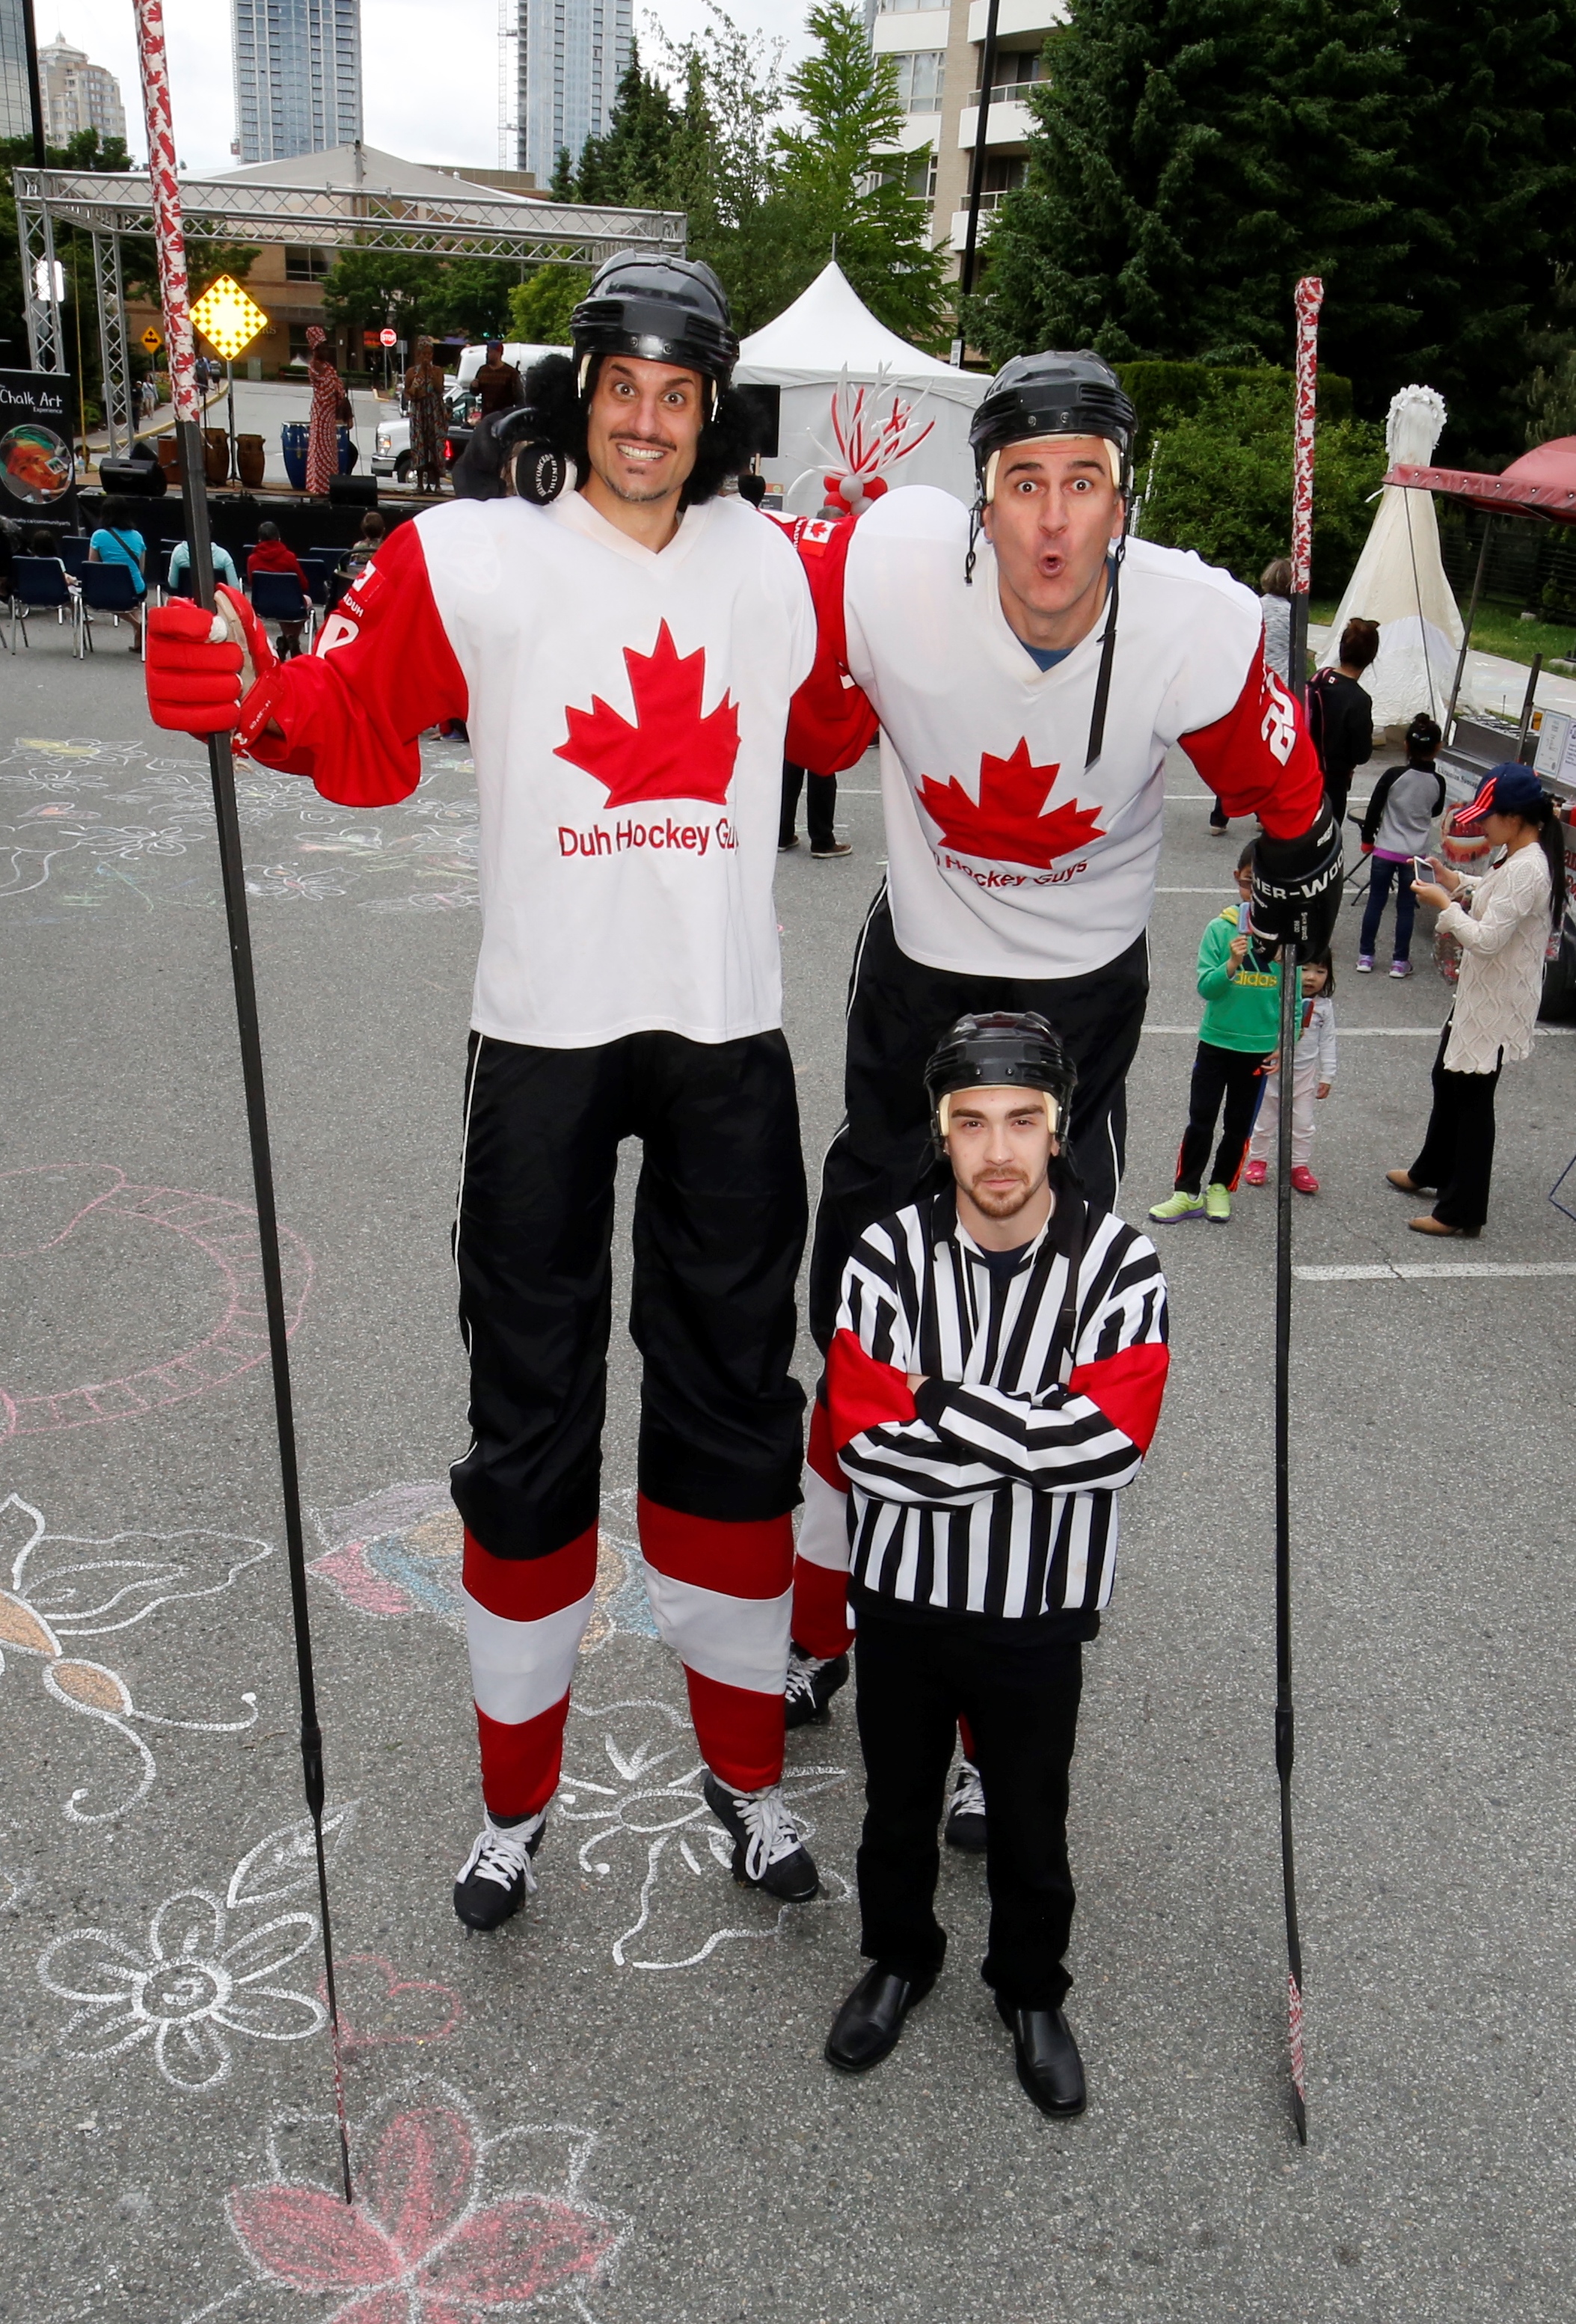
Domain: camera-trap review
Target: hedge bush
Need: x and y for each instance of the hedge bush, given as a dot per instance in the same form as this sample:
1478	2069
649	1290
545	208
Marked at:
1223	477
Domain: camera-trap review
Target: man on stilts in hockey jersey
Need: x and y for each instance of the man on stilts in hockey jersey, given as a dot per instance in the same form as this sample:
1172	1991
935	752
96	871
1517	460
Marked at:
622	655
1027	668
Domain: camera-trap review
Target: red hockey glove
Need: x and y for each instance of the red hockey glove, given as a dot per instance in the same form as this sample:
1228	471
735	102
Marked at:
196	671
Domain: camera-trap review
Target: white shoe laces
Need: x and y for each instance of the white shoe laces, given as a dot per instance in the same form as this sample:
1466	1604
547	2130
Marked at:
769	1821
969	1798
503	1855
801	1675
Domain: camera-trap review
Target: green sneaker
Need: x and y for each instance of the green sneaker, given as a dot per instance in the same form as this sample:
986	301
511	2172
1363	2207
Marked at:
1179	1206
1217	1204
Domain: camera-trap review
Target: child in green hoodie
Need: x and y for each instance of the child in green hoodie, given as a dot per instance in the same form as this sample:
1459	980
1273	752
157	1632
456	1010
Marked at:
1241	1025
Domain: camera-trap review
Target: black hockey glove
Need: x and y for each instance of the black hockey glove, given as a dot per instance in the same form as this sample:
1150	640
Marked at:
1296	886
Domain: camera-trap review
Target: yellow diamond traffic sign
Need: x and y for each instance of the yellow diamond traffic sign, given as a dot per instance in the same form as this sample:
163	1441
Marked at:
228	318
152	340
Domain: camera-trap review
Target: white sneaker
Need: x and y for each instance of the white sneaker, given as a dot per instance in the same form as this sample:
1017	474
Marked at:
494	1876
965	1814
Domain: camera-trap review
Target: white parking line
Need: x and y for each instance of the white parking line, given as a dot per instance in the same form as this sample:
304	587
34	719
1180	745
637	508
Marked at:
1423	1271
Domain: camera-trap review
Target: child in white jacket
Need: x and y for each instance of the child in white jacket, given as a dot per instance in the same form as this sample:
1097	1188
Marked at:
1313	1077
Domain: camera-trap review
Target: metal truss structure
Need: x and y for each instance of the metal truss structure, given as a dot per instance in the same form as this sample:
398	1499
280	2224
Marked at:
468	225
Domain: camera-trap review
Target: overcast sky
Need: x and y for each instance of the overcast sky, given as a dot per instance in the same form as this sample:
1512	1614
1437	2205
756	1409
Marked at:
431	73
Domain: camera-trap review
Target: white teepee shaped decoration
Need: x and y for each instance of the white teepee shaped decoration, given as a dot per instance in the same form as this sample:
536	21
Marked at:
1400	581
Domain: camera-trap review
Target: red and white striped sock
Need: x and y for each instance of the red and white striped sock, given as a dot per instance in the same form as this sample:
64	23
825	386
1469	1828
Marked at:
820	1622
721	1594
525	1617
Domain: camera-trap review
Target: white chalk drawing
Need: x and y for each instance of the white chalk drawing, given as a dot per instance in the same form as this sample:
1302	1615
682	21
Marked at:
399	1554
42	1208
191	1985
447	2223
650	1829
63	1588
70	838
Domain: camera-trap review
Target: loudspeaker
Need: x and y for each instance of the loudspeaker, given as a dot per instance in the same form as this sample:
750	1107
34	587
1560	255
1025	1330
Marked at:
353	492
133	479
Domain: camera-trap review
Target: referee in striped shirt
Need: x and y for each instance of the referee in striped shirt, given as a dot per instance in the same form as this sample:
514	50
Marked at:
995	1379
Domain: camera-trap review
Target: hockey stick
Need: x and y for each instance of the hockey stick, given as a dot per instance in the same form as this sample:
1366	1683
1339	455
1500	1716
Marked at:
1284	1740
1310	295
171	248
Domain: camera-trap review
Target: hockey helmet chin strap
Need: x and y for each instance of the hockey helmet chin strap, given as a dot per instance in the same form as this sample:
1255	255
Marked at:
982	500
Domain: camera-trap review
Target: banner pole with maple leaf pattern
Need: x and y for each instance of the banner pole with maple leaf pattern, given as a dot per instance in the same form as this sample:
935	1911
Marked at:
169	237
1310	296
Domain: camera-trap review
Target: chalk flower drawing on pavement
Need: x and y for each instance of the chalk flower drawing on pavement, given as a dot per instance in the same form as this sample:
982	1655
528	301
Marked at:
111	1221
63	1588
191	1985
446	2224
70	831
399	1554
650	1827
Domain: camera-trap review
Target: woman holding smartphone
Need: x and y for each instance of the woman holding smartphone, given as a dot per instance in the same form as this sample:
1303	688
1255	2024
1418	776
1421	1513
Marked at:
1503	923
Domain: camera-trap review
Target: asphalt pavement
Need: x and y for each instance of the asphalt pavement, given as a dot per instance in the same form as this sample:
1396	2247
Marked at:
617	2108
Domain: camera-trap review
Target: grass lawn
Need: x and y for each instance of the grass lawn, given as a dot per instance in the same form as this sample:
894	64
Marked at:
1499	630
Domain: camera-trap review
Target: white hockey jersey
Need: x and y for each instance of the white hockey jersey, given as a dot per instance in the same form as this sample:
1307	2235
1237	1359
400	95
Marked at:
1006	857
626	711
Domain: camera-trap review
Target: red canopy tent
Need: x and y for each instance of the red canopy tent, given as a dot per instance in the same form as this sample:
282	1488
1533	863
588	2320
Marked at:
1541	483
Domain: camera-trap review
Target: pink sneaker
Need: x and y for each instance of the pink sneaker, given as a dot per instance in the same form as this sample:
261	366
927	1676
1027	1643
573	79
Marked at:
1255	1173
1304	1180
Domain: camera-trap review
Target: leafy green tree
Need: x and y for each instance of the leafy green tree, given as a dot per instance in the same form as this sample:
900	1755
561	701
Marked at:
540	307
724	164
831	190
1487	185
1191	159
365	290
472	296
1221	482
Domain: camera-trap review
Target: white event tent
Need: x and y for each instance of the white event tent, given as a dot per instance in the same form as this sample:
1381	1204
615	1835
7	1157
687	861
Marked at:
1399	581
910	426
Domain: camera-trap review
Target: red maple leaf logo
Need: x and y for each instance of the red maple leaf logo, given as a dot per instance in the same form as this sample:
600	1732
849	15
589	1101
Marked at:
1010	822
670	752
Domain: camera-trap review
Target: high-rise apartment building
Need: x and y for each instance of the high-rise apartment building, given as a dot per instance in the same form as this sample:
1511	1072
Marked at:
15	112
572	55
939	48
77	95
298	76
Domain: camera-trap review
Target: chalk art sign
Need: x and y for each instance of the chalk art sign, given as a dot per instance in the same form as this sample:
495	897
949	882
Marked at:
37	468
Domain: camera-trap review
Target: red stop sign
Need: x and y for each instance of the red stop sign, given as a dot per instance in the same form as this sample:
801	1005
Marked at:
388	338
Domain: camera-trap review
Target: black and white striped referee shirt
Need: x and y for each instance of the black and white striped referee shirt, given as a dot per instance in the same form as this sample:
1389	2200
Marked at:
991	1490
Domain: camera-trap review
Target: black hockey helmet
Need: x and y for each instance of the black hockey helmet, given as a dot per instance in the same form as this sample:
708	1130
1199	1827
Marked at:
1053	394
671	310
1006	1048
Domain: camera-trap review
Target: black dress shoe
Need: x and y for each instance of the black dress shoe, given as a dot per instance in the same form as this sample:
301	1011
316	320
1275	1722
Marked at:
870	2020
1049	2064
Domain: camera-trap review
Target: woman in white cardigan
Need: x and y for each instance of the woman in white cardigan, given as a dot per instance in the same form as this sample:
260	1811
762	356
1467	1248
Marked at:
1503	922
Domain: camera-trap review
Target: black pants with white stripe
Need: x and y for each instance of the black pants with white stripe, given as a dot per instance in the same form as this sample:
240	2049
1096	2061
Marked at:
897	1010
1019	1694
718	1229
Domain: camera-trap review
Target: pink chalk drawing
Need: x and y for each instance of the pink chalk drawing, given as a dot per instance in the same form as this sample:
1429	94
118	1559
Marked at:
42	1208
441	2229
63	1588
379	2009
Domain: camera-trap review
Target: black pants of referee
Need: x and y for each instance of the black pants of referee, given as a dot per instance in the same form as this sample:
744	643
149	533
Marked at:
718	1232
898	1010
1457	1155
916	1679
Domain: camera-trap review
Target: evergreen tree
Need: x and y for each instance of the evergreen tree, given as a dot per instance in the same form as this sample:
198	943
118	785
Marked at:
1192	158
1488	181
562	182
540	307
632	166
835	188
724	163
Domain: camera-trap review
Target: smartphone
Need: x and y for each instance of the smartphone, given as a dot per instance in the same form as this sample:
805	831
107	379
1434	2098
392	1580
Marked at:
1422	869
